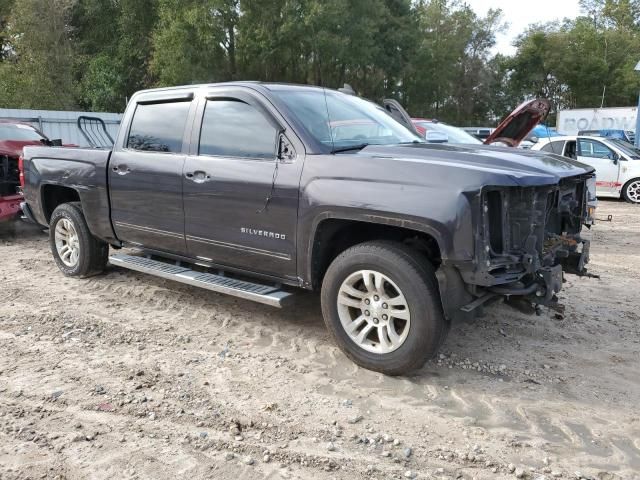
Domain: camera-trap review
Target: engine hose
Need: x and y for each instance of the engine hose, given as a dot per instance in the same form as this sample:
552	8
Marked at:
515	291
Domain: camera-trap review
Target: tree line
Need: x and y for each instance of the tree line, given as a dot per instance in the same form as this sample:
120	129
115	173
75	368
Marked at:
435	56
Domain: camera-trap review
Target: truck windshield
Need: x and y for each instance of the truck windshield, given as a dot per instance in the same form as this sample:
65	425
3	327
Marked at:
340	121
19	133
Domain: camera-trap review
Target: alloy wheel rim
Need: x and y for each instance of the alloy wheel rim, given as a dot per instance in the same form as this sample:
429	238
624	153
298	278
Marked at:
633	191
67	243
373	311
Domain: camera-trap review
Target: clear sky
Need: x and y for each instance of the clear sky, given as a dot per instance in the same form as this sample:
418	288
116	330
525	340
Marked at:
519	14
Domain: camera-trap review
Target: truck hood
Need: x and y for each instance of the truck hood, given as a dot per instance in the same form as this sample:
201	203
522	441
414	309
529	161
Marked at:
502	165
13	148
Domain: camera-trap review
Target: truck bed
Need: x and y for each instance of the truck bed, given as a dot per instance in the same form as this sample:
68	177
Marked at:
83	170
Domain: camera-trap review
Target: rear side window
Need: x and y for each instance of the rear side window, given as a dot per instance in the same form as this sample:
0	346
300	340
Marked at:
232	128
554	147
158	127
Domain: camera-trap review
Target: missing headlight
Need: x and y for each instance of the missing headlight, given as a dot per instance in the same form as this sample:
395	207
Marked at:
494	216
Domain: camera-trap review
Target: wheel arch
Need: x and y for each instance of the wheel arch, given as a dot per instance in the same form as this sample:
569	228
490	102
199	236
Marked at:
93	201
331	235
52	196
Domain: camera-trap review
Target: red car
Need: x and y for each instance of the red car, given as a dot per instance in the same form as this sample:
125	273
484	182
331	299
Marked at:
14	136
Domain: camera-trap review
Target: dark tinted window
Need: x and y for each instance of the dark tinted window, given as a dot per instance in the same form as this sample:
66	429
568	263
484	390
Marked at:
159	127
236	129
554	147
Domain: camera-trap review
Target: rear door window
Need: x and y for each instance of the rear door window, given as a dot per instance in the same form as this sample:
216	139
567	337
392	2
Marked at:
158	127
233	128
554	147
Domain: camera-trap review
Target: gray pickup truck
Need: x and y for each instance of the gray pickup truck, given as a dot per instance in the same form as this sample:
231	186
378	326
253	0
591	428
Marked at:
255	190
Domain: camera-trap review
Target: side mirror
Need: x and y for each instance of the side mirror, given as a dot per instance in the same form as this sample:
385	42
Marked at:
286	152
615	157
436	137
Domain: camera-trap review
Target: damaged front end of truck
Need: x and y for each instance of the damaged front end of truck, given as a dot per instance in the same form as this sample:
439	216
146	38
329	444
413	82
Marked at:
526	239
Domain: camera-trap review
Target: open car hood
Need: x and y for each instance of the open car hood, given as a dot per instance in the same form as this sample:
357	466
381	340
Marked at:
515	128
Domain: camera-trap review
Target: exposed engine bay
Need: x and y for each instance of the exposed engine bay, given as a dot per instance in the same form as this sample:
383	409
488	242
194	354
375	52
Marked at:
529	236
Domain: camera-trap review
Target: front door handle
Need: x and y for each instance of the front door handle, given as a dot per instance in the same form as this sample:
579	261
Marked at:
121	169
198	176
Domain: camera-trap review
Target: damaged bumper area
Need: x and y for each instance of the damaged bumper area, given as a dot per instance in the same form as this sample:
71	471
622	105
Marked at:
527	239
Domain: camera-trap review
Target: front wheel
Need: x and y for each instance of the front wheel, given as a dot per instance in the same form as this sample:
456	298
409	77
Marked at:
75	250
381	304
631	191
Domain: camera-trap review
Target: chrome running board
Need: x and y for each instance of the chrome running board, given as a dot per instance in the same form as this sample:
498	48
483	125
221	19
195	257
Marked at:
267	294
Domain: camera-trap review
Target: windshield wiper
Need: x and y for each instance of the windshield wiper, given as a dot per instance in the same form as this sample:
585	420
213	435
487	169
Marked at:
349	148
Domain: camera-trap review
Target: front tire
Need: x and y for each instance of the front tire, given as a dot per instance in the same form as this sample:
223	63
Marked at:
75	250
381	304
631	191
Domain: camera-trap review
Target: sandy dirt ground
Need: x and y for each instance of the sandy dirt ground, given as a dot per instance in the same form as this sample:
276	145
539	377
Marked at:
128	376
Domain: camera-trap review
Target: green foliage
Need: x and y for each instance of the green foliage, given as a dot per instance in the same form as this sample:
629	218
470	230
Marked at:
5	41
451	76
612	13
37	71
273	42
113	40
583	63
190	43
102	86
434	56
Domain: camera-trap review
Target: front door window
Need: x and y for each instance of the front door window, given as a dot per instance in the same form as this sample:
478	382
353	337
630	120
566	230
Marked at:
604	160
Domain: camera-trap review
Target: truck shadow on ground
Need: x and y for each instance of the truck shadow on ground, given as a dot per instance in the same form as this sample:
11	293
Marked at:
17	230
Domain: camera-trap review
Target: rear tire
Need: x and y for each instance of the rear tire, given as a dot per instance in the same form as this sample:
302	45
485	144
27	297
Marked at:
631	191
75	250
381	304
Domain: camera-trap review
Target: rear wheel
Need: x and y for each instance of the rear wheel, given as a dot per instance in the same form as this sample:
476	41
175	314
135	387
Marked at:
381	304
75	250
631	191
